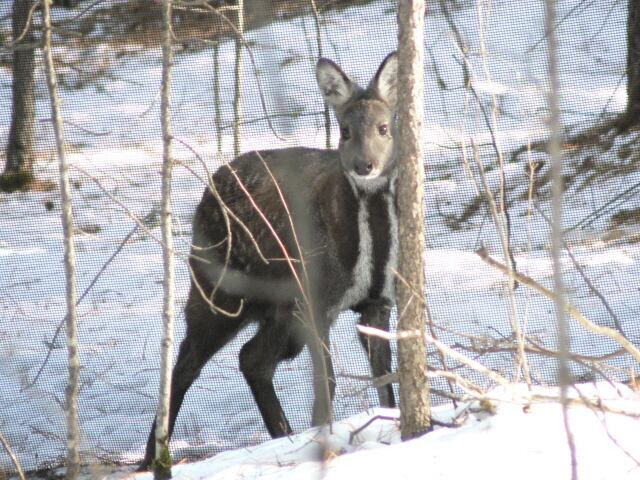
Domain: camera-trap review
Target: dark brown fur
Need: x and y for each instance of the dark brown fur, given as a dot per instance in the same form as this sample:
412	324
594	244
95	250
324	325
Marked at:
320	229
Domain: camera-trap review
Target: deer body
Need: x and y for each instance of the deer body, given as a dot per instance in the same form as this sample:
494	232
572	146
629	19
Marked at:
304	227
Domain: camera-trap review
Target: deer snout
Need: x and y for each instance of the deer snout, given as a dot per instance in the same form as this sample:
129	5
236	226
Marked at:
362	167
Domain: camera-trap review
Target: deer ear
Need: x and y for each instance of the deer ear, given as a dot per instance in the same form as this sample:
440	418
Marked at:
385	82
337	89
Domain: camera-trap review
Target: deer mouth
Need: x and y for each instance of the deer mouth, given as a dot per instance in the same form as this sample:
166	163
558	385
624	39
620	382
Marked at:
373	174
372	182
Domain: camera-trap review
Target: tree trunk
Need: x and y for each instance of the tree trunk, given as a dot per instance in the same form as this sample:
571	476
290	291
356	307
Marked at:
73	429
415	411
557	187
18	170
162	462
632	115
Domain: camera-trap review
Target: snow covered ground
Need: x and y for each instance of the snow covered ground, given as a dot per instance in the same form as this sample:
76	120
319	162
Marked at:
519	439
119	144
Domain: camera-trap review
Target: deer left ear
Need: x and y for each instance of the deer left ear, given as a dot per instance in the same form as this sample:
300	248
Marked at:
385	82
336	87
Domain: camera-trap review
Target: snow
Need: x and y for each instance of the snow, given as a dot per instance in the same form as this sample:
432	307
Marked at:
120	317
520	438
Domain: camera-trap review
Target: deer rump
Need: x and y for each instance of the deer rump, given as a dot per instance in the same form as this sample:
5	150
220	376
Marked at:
289	239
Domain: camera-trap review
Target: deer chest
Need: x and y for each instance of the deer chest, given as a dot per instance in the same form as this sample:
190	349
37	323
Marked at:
376	255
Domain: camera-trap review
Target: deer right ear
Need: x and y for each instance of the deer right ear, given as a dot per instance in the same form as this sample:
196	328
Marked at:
385	82
337	89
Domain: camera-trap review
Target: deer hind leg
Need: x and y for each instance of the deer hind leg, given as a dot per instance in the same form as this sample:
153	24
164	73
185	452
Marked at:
277	339
376	314
207	332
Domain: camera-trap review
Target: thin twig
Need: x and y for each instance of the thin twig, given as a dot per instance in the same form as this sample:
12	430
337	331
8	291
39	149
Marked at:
587	280
214	191
84	294
219	12
355	432
503	235
270	227
79	127
12	456
26	29
570	309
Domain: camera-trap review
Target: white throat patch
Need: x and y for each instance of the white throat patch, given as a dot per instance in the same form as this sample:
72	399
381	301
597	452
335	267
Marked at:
368	184
388	290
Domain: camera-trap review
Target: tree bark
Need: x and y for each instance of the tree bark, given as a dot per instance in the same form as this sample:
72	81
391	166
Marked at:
632	114
162	462
73	428
18	170
415	411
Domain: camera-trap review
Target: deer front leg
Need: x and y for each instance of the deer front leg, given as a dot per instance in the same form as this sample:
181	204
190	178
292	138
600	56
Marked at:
376	314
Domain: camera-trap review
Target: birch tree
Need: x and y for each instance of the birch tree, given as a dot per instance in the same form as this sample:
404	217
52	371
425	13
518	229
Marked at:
415	412
73	429
162	462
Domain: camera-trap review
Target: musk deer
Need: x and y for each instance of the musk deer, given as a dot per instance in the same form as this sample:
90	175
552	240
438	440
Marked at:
332	213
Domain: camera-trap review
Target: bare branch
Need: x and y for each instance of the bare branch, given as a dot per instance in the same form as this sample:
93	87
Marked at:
240	35
84	294
501	226
570	309
26	29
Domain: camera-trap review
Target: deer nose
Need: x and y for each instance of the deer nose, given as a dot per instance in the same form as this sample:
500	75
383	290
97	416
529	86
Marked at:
363	168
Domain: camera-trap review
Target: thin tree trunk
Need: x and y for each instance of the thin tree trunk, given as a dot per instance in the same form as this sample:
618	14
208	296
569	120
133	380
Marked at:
216	96
73	428
415	411
555	152
327	112
18	170
632	114
237	97
162	462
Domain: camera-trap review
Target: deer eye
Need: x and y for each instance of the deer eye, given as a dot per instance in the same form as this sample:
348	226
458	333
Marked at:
383	129
345	133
